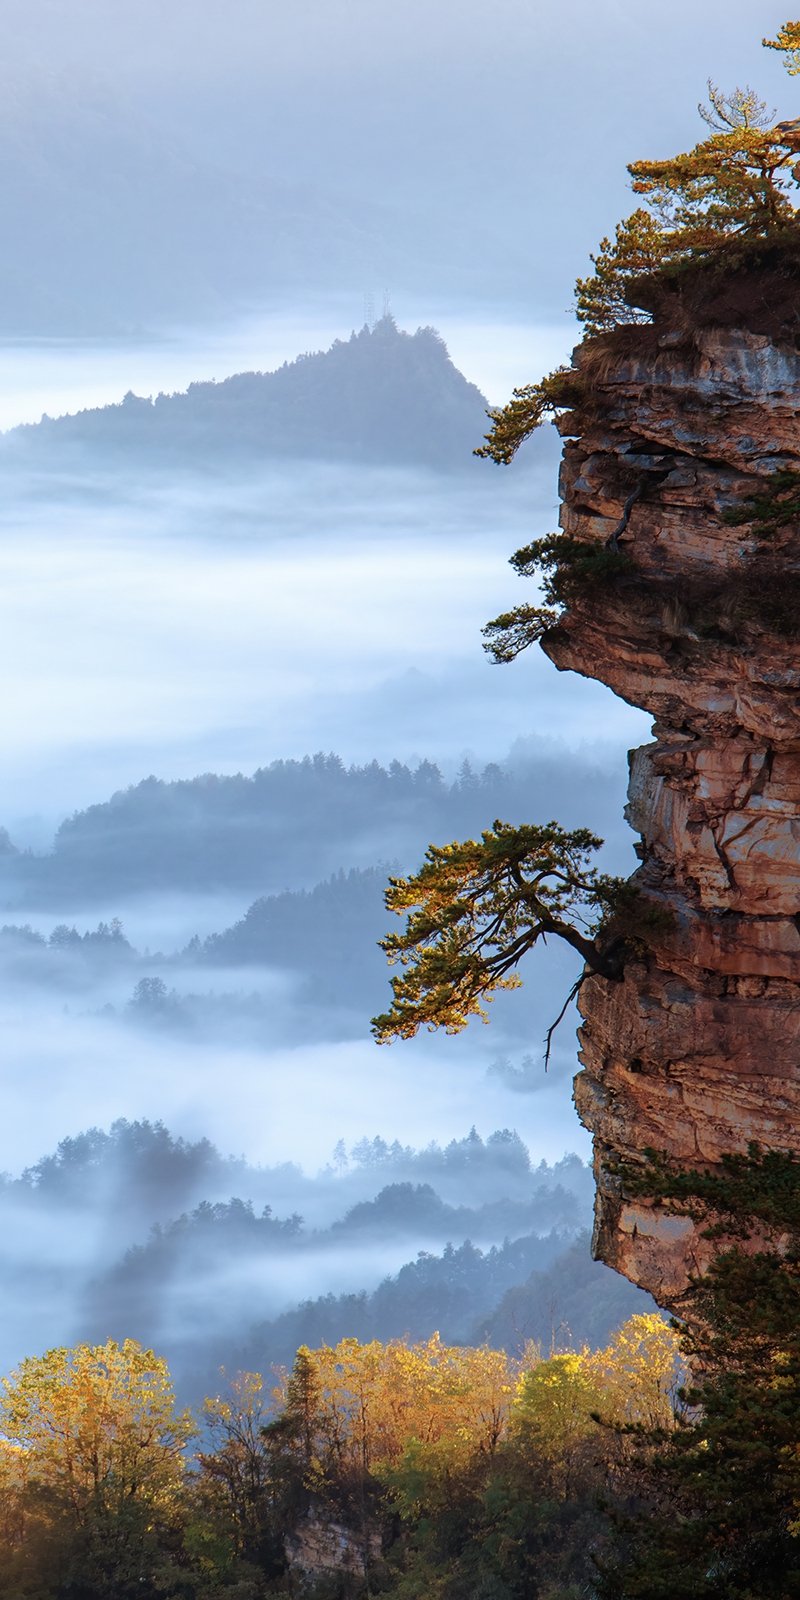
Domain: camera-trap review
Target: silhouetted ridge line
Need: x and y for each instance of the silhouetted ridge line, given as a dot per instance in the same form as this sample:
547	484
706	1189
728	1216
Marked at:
382	396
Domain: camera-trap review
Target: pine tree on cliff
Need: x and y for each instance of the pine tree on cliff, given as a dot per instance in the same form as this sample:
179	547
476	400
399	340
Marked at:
731	187
722	1491
476	908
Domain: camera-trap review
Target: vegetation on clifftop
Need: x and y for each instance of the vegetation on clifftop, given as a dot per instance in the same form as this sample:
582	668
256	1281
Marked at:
399	1468
721	208
718	240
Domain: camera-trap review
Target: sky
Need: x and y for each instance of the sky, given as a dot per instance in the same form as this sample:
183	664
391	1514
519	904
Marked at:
182	166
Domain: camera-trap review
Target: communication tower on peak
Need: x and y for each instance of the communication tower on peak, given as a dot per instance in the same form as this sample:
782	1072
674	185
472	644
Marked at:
387	310
369	309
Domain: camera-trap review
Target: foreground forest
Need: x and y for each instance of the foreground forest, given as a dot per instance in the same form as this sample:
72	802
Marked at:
663	1464
399	1468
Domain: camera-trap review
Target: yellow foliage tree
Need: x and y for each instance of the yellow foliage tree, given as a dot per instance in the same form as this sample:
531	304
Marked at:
552	1419
92	1460
98	1424
233	1498
632	1382
372	1398
639	1373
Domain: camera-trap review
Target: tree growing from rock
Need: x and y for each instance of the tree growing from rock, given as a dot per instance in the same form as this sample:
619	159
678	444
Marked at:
476	908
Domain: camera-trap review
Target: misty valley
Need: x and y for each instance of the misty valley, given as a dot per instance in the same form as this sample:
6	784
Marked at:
303	959
276	699
218	1261
399	801
228	922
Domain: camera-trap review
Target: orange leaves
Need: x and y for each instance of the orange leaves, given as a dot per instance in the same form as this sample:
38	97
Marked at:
428	1420
372	1398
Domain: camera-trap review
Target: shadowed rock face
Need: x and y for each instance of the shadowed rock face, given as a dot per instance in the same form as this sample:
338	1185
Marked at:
697	1050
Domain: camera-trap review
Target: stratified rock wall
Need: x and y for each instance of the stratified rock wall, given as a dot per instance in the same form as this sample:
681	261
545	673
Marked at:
697	1051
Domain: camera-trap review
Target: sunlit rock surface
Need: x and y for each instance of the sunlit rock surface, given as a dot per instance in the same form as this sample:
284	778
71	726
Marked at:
696	1052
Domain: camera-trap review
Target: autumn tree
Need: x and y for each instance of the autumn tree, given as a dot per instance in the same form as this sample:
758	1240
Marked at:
460	1461
352	1407
563	1405
516	1514
93	1450
234	1531
377	1396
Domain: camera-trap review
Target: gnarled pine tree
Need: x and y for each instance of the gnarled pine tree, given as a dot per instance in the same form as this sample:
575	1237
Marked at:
476	908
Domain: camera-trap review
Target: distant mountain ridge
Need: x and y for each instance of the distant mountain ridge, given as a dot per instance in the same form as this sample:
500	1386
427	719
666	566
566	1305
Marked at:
557	1297
191	1254
382	396
291	823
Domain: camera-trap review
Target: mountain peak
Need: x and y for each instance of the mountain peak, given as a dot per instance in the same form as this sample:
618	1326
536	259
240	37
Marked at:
381	396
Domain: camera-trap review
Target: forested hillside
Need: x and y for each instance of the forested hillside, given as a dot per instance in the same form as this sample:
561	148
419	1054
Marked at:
371	1468
528	1290
290	824
215	1261
382	395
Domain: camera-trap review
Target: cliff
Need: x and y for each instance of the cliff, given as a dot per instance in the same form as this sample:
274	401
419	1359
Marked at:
695	1052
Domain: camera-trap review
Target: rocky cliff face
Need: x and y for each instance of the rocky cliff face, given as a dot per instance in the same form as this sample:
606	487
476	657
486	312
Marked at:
697	1050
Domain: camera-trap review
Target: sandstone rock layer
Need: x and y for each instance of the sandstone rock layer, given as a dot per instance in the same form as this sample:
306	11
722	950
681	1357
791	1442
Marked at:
697	1050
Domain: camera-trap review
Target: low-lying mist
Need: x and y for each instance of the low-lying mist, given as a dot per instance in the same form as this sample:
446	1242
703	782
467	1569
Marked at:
223	623
131	1232
146	1011
190	624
